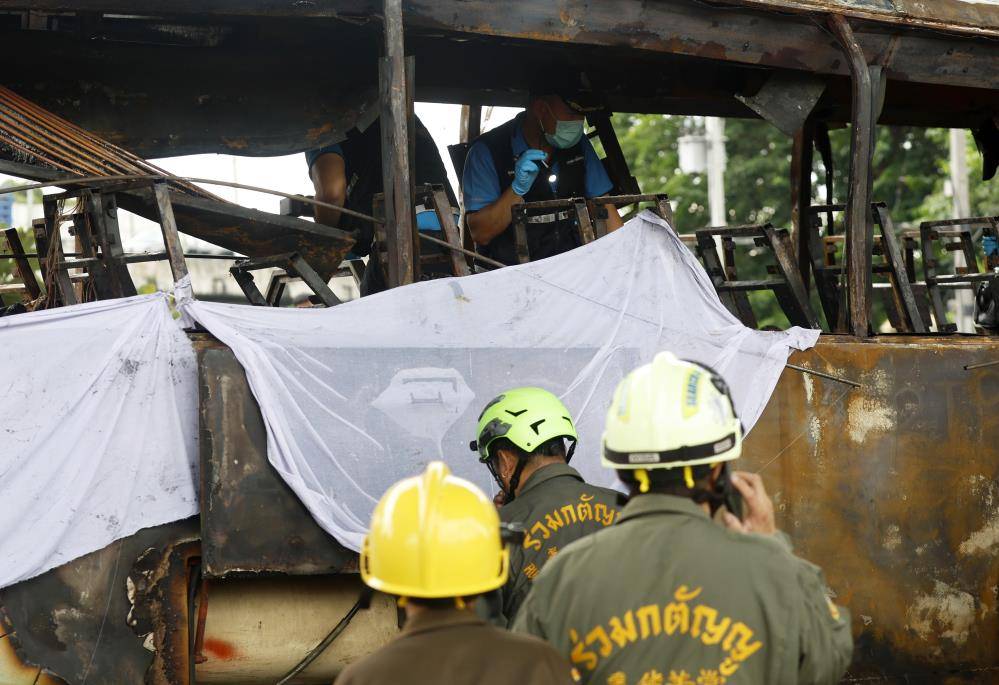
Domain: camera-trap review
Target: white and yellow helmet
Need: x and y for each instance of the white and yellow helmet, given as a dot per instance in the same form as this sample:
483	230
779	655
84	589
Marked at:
671	414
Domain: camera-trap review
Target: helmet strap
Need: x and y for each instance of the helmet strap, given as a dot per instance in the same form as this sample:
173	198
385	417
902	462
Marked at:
515	480
642	476
716	496
688	477
510	492
491	465
571	450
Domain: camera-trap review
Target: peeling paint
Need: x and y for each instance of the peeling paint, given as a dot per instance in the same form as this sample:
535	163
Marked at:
814	429
985	540
893	538
868	415
946	612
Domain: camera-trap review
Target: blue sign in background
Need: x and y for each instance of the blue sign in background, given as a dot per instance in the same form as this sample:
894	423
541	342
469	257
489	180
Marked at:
6	210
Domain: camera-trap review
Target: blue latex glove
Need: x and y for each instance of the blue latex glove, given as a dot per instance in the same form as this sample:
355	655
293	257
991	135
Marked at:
526	170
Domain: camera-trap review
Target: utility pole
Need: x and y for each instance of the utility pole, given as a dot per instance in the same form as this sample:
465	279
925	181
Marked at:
714	128
963	301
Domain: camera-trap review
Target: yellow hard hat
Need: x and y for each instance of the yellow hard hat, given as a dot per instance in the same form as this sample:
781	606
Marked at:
434	536
671	414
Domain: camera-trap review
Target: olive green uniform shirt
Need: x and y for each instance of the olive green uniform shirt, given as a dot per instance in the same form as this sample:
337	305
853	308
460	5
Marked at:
455	647
556	507
669	597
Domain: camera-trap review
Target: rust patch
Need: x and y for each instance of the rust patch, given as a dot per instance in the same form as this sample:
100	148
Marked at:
220	649
893	489
712	51
235	143
317	132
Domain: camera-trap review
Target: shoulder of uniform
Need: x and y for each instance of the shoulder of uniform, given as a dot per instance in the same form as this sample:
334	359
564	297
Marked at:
514	511
613	495
365	669
766	551
522	642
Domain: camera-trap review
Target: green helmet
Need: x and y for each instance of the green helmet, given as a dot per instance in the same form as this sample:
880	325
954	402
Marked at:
527	417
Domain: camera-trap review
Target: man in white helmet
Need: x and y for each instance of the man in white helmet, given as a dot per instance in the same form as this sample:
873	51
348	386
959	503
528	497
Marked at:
667	596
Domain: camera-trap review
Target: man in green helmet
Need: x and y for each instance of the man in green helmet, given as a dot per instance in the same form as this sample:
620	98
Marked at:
667	596
522	438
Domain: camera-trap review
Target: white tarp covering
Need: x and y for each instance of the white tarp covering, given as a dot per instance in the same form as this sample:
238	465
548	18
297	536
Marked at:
358	396
98	429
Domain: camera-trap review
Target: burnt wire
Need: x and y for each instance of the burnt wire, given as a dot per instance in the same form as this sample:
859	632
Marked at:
829	407
326	642
107	609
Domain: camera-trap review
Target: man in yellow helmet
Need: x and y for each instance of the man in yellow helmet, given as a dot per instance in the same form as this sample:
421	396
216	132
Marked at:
435	542
522	437
667	596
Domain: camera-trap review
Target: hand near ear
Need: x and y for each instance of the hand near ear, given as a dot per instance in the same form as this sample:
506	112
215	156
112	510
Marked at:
758	509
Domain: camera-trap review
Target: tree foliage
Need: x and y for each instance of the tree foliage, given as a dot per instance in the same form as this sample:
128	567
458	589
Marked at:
7	269
911	171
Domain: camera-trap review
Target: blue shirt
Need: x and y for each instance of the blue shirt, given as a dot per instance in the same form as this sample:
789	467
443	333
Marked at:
426	220
481	186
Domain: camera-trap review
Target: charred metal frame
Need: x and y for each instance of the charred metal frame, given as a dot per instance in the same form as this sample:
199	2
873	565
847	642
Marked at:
95	225
591	217
859	231
903	305
295	267
954	235
786	284
396	90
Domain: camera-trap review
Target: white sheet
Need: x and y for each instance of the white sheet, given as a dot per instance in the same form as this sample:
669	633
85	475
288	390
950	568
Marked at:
361	395
98	429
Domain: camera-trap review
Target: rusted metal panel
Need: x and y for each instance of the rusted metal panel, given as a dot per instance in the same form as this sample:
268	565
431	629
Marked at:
73	622
695	29
251	520
893	488
246	231
234	97
972	16
975	16
229	95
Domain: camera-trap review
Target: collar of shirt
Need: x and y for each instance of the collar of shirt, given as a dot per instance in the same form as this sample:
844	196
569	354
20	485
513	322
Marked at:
546	473
654	503
437	619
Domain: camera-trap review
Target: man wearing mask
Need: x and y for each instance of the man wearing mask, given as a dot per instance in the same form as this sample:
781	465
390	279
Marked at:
541	154
522	436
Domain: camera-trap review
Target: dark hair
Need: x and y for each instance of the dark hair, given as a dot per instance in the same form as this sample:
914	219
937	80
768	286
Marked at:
439	603
554	447
671	481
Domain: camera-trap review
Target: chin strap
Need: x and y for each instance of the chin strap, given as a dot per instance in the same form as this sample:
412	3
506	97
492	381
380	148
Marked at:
571	451
515	480
717	496
510	492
